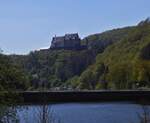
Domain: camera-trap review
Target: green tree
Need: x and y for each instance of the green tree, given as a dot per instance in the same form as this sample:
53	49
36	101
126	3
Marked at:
86	80
121	76
74	82
11	76
141	73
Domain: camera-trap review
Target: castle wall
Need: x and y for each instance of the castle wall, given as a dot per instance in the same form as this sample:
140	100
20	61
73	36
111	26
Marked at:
72	43
69	41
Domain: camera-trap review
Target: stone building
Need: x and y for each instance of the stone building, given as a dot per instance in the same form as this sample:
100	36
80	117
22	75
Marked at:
69	41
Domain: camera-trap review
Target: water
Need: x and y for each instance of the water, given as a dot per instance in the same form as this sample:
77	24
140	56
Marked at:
82	113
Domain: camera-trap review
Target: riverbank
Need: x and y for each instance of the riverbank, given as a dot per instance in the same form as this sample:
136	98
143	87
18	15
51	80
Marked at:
35	97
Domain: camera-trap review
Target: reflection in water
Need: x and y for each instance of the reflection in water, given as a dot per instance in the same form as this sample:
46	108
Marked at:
77	113
8	114
144	117
45	114
38	114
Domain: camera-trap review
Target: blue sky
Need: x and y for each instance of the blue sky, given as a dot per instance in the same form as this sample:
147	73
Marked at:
27	25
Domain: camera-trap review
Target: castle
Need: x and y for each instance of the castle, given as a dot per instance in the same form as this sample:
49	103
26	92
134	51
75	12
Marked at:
67	42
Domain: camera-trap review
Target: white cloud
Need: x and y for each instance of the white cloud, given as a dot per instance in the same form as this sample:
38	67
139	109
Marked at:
42	48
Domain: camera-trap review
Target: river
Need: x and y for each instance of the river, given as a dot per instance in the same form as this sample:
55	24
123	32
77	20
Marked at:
116	112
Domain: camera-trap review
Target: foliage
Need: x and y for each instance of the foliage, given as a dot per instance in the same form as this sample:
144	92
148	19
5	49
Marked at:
11	76
51	68
115	59
73	82
127	60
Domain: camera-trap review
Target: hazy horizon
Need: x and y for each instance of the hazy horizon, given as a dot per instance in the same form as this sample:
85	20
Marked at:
29	25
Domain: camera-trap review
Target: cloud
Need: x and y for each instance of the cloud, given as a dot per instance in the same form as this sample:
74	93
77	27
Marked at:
42	48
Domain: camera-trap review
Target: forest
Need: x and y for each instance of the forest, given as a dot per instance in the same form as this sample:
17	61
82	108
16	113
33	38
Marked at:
115	59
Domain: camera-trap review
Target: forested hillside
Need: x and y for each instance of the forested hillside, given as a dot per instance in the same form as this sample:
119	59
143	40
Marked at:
12	77
51	68
60	68
115	59
124	64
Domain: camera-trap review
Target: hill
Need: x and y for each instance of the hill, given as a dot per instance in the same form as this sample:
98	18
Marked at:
56	68
115	59
124	64
51	68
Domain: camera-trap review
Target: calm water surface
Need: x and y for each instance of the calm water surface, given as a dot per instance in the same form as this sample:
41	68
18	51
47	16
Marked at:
81	113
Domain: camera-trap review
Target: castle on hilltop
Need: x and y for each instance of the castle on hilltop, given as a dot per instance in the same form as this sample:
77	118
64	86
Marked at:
67	42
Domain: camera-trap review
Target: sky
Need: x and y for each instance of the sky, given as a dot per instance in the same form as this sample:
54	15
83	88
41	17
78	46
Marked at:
28	25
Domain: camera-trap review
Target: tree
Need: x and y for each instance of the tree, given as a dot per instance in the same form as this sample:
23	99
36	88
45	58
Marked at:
12	76
141	73
121	76
87	80
74	82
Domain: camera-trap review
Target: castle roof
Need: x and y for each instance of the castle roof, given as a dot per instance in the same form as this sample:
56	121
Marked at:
66	37
58	39
71	36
